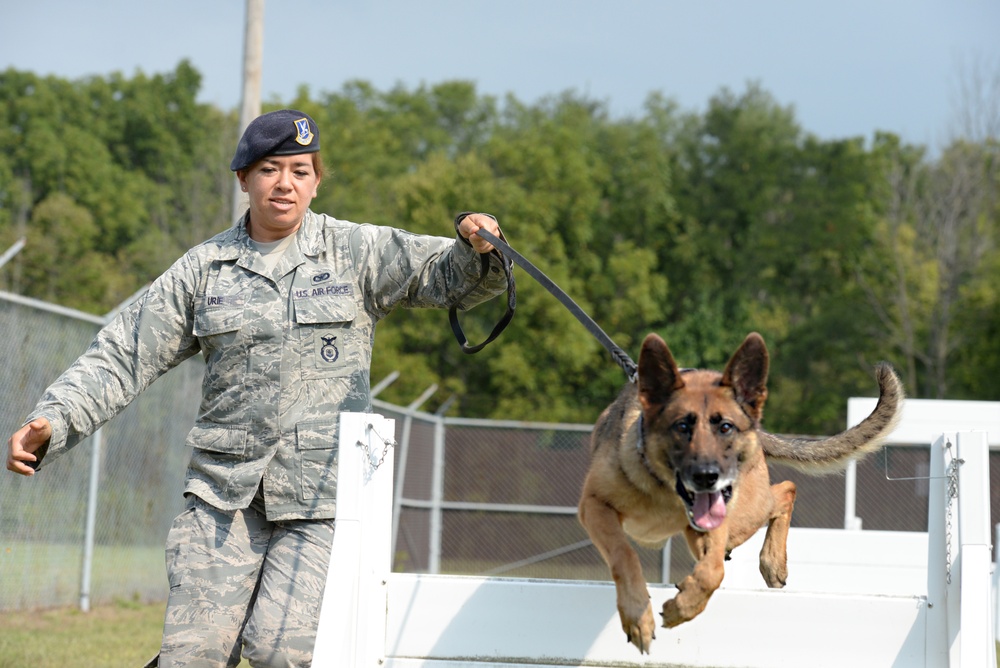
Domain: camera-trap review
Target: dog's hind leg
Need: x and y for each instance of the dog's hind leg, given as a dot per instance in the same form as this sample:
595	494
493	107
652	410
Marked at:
773	555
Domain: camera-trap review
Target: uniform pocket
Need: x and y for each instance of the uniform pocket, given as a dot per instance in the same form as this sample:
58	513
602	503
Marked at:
218	438
326	337
219	332
214	321
318	449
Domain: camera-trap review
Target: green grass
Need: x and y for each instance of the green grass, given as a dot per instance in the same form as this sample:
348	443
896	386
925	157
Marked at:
125	634
122	635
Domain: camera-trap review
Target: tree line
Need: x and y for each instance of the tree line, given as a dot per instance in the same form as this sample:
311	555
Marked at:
700	226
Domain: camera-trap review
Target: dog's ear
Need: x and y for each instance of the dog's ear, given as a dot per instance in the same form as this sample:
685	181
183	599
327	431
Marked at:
746	373
658	373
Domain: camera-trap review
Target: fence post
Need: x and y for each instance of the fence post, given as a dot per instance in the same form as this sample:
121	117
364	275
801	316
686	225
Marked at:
851	520
12	251
437	496
91	523
397	500
352	619
857	409
665	554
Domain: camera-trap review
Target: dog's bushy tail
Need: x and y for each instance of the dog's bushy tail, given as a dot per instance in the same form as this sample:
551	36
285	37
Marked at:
832	453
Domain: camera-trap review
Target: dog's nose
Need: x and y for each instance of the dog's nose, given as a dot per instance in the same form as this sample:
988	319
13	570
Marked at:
705	476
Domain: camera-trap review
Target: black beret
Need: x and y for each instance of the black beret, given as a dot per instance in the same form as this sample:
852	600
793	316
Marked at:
282	132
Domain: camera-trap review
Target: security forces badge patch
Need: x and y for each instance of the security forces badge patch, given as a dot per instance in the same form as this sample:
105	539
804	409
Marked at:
328	351
303	135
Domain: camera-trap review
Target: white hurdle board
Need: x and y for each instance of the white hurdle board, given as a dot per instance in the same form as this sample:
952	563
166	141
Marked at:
834	561
464	622
372	617
352	617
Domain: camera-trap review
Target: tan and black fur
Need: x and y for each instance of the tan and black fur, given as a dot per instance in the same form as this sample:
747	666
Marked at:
683	451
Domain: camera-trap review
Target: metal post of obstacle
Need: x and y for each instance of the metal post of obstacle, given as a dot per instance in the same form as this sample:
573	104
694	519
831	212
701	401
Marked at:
996	583
976	645
960	629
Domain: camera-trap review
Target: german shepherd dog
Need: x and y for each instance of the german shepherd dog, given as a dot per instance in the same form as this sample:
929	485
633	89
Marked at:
682	450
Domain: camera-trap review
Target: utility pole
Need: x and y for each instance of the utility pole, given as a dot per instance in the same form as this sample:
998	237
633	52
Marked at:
253	58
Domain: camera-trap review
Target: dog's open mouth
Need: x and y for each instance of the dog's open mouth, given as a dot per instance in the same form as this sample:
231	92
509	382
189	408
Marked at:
705	510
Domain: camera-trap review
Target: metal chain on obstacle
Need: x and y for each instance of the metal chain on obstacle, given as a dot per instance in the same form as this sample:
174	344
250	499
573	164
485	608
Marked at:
376	461
950	496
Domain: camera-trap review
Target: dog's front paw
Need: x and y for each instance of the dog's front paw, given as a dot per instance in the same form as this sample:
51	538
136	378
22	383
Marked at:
775	572
672	614
680	609
641	630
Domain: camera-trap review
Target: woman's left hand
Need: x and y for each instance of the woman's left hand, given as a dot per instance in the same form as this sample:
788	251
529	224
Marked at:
472	224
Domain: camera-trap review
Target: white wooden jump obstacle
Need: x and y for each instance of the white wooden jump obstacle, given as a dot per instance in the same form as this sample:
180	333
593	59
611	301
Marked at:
855	598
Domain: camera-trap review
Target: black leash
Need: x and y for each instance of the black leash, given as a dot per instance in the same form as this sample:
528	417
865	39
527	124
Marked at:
456	327
620	357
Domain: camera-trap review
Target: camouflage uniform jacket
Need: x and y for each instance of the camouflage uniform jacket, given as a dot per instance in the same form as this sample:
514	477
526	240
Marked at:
284	353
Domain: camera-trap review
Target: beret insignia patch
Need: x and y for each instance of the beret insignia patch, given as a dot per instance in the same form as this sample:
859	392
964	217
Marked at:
303	135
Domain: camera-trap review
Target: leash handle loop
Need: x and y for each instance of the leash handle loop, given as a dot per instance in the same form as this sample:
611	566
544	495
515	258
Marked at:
456	326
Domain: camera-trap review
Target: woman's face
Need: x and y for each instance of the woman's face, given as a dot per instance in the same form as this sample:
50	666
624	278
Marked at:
280	188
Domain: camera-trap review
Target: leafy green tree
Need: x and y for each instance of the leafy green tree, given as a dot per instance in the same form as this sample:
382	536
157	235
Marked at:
134	164
934	257
974	372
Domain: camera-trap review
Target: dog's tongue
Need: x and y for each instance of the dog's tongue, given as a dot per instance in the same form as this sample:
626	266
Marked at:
709	510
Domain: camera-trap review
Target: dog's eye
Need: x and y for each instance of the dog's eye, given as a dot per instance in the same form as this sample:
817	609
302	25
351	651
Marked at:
682	427
726	428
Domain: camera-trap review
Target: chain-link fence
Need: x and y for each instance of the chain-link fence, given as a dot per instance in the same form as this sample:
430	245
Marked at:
140	469
472	496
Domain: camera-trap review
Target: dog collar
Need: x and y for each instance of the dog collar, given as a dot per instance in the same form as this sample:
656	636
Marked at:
640	447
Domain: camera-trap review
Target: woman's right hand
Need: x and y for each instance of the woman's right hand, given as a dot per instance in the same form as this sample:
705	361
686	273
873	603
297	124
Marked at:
24	443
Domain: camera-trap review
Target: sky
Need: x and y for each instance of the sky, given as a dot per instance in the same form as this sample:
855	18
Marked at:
847	67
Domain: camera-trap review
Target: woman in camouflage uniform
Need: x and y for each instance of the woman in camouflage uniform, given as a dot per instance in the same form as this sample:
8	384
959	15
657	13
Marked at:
283	307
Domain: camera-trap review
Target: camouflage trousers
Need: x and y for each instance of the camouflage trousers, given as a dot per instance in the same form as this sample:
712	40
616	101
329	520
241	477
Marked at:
242	584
